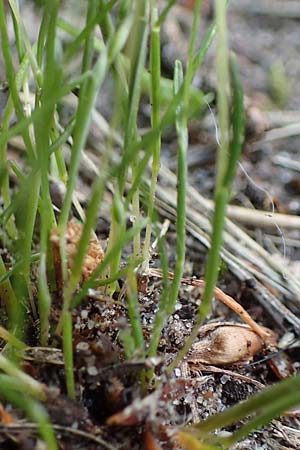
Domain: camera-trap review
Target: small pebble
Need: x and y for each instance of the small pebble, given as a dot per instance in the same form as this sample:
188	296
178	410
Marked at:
92	371
84	314
224	379
177	372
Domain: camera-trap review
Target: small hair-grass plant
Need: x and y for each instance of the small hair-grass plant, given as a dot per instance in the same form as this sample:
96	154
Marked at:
38	84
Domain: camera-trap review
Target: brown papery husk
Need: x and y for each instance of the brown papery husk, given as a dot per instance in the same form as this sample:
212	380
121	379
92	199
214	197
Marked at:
93	257
225	344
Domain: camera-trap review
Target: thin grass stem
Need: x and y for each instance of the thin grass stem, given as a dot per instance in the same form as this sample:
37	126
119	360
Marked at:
222	194
83	118
137	52
8	295
222	69
25	40
133	311
51	81
5	188
10	73
182	133
137	48
161	314
182	138
155	119
11	339
29	384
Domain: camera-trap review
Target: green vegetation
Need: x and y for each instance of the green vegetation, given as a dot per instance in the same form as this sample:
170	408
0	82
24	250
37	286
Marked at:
279	84
42	79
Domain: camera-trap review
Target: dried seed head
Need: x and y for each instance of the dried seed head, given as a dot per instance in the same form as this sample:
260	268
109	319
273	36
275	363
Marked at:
93	256
226	345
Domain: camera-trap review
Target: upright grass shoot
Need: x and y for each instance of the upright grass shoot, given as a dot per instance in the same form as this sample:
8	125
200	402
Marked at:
180	105
161	315
31	214
51	82
155	69
136	51
182	138
5	185
182	133
82	122
85	107
229	149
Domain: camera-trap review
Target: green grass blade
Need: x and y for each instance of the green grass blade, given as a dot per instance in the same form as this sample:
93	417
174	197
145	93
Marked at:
155	120
182	138
237	120
28	384
10	73
161	314
265	405
34	410
51	82
133	311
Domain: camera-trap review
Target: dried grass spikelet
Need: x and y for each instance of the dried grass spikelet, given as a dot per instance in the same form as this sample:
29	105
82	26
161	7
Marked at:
226	344
92	258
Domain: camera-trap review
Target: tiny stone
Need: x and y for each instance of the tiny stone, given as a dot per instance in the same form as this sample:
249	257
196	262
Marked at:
91	324
224	379
224	433
177	372
82	346
84	314
92	371
75	425
294	205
